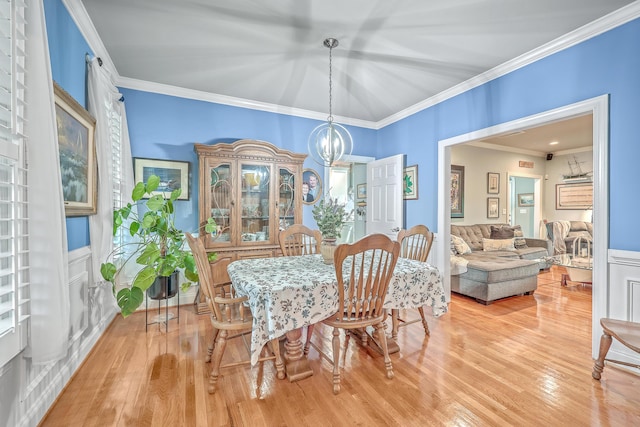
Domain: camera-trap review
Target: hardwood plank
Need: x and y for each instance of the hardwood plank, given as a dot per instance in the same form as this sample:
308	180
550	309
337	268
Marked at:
519	361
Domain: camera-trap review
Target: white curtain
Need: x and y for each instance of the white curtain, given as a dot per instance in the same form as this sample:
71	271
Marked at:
106	105
49	281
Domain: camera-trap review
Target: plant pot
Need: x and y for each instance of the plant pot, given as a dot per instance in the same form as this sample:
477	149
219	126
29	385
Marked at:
165	287
327	249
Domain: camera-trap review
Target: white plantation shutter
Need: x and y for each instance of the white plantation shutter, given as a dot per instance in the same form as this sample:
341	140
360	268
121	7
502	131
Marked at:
14	246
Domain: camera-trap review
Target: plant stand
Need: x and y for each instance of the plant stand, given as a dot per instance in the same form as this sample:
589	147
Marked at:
167	316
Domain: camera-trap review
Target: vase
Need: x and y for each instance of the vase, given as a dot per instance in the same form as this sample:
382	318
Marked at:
327	249
164	287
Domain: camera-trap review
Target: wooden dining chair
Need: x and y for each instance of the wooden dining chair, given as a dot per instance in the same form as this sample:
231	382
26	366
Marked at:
415	243
297	240
625	332
361	292
230	318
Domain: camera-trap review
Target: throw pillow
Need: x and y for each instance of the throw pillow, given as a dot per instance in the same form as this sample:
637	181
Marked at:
497	244
461	246
519	241
501	232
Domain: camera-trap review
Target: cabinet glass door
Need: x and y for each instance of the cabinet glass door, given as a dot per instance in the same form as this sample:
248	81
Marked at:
221	201
286	201
254	202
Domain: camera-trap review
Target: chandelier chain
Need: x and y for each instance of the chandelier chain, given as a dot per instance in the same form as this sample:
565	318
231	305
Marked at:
330	118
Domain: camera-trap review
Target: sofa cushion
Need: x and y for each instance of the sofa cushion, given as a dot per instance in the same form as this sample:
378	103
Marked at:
472	234
489	245
501	232
460	245
533	252
518	238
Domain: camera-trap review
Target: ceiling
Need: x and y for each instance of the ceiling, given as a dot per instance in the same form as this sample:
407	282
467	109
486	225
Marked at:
392	54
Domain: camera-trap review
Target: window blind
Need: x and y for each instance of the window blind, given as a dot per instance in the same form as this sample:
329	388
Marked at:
14	246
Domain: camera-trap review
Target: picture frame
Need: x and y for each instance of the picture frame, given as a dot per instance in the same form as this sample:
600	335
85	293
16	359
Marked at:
312	180
173	174
457	191
574	196
493	183
493	207
525	200
410	182
361	191
77	149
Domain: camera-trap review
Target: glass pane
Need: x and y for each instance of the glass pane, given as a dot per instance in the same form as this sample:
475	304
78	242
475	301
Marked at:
221	200
287	198
255	202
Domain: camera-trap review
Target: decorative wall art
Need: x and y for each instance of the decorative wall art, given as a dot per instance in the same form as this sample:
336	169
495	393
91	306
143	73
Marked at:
457	191
361	191
410	182
77	147
172	174
311	186
574	196
493	207
525	200
493	183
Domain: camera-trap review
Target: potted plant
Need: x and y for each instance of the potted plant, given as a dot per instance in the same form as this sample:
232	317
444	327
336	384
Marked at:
155	244
330	215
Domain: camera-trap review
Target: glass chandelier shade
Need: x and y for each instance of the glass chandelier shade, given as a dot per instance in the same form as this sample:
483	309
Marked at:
330	141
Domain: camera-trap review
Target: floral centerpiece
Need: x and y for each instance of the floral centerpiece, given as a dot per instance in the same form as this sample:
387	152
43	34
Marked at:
330	215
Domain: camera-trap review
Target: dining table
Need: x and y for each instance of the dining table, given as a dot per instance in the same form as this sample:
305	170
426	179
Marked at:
287	293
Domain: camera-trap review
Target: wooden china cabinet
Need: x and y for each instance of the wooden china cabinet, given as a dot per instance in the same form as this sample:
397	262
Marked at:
252	189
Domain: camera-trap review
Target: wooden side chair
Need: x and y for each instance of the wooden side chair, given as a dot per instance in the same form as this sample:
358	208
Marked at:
627	333
362	291
297	240
230	318
415	243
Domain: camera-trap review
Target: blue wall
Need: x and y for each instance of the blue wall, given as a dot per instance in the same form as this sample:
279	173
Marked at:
166	127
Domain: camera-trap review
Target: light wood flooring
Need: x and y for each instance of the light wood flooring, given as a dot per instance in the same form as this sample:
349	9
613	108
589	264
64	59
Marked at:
522	361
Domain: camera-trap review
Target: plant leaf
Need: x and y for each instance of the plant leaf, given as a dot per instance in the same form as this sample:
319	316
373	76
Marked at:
175	194
155	203
145	278
108	271
138	192
129	300
152	183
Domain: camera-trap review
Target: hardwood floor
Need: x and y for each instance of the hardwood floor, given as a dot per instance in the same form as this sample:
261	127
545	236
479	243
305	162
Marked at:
520	361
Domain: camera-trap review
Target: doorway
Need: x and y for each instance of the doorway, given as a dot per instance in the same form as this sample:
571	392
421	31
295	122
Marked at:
524	195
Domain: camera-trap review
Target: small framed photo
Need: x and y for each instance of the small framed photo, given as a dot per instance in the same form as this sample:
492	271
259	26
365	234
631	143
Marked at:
493	183
172	174
410	182
362	191
493	207
457	191
77	148
525	200
311	186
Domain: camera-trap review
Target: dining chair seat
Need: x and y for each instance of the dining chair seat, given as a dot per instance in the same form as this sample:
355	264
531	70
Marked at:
625	332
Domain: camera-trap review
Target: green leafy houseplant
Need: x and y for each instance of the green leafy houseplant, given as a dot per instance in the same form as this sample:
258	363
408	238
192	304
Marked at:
156	245
330	217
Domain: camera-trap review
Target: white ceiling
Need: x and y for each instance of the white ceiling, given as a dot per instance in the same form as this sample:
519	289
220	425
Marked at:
392	54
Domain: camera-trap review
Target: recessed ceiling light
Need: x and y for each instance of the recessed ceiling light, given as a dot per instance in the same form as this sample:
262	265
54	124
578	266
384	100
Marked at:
553	143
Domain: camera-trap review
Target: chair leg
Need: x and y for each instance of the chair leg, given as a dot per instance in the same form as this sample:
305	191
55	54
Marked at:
218	352
307	344
382	338
336	360
214	335
395	322
605	344
275	347
424	321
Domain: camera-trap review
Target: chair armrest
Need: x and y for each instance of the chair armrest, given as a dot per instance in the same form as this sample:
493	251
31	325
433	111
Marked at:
540	243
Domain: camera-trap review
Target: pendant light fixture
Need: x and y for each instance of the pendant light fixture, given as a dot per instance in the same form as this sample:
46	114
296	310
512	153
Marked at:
330	141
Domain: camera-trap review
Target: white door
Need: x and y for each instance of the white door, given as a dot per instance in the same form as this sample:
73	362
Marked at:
385	207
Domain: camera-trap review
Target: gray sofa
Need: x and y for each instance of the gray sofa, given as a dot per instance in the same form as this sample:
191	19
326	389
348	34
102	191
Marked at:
496	274
562	234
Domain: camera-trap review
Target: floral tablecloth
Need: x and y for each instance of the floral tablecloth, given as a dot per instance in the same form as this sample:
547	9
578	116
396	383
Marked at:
286	293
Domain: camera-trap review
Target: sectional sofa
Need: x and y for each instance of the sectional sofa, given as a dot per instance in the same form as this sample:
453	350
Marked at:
496	266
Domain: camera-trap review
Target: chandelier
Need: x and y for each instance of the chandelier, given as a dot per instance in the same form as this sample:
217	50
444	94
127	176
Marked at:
329	141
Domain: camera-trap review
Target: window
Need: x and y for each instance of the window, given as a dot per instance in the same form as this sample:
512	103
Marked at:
14	247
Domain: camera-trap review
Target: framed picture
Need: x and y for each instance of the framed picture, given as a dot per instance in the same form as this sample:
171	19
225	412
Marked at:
493	183
362	191
457	191
311	186
77	147
410	182
173	175
525	200
574	196
493	207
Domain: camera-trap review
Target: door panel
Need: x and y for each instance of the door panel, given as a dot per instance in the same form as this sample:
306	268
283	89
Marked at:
385	208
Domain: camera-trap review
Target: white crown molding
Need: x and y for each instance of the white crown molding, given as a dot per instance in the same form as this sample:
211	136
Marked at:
517	150
587	31
614	19
164	89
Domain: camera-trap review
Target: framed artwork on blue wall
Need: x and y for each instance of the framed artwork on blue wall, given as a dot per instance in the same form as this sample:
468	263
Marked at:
173	175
